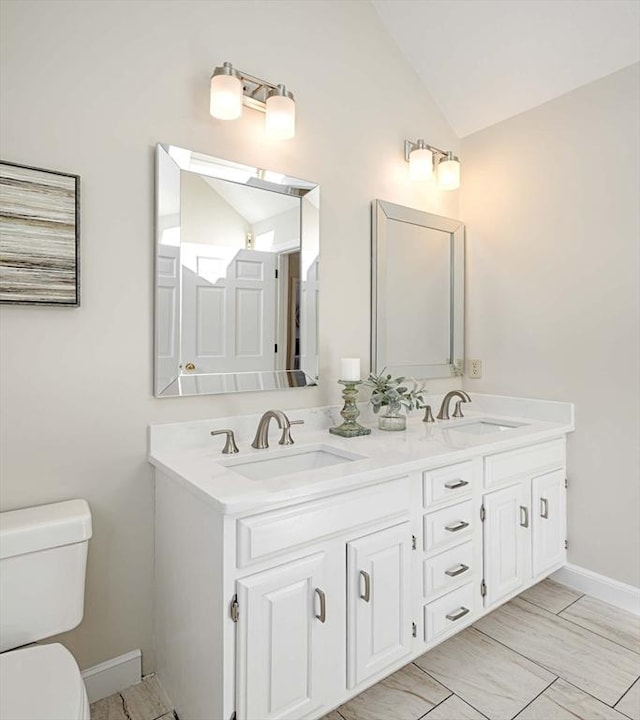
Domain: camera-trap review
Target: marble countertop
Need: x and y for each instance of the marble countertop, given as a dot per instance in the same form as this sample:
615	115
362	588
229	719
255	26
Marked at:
187	453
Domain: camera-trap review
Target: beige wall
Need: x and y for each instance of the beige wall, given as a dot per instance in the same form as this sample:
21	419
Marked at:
90	88
550	198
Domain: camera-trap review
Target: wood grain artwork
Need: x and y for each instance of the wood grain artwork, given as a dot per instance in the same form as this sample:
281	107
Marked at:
39	236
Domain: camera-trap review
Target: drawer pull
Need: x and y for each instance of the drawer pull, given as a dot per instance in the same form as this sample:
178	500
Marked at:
454	527
544	508
524	516
455	484
323	606
456	615
366	595
457	570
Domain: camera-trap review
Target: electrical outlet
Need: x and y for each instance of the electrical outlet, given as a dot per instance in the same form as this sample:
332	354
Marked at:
475	368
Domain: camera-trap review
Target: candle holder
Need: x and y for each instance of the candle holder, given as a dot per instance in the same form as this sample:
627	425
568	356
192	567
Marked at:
350	428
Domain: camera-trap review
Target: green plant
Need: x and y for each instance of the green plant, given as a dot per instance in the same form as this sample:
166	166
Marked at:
393	392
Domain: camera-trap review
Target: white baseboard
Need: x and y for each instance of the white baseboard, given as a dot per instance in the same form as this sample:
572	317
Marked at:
113	675
626	597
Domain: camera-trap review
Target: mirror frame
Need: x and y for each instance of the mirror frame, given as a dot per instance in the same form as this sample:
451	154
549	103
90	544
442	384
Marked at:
381	212
170	160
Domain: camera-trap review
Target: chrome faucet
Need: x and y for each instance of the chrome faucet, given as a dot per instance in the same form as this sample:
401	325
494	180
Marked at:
444	408
261	440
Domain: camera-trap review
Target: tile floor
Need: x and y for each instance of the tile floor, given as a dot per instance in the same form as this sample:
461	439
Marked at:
550	654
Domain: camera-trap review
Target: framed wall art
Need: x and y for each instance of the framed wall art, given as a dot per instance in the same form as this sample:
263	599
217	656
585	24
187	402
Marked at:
39	236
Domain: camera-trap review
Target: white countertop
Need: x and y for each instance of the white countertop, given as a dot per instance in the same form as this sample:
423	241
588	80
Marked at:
187	453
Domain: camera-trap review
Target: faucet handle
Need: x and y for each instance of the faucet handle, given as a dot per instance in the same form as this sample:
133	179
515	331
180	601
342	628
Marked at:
285	438
428	415
457	410
230	447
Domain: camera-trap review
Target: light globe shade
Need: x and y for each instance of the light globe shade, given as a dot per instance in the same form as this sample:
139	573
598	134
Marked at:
280	120
449	173
420	164
226	97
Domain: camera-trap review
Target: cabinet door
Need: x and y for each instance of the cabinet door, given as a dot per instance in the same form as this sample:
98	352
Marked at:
548	521
282	636
378	588
507	554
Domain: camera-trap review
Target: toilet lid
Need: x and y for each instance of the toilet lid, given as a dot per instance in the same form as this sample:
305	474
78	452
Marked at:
41	682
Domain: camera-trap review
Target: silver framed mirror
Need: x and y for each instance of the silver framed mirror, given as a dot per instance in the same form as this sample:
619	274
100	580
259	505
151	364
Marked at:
417	298
236	277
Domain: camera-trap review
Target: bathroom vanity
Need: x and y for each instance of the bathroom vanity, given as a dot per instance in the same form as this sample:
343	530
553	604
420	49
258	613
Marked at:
288	580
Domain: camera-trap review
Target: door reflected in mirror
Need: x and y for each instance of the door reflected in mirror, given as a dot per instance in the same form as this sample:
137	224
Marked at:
236	277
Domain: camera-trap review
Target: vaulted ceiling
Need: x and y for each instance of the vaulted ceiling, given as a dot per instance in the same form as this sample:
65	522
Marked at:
486	60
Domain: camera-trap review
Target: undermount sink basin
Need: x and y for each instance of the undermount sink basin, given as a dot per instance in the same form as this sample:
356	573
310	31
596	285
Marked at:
275	463
482	427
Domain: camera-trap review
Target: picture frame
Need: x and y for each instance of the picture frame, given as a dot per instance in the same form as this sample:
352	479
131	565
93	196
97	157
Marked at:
39	236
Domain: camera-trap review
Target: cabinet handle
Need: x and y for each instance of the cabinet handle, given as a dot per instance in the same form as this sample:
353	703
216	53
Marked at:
457	570
366	596
455	484
457	614
524	516
454	527
323	605
544	508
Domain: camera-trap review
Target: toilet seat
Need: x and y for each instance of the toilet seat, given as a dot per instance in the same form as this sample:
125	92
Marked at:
41	682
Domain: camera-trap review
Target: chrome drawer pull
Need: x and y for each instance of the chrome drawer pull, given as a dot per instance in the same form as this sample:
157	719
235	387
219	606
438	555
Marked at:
323	606
544	508
454	527
366	596
458	570
455	484
461	612
524	516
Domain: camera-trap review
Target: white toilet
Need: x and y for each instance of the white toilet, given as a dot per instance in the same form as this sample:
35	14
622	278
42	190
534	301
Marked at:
43	558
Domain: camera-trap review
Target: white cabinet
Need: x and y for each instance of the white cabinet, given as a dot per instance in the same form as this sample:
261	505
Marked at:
283	641
506	541
379	601
548	521
524	523
284	612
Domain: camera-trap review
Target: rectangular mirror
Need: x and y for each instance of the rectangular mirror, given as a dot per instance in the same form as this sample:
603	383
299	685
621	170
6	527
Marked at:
236	277
417	277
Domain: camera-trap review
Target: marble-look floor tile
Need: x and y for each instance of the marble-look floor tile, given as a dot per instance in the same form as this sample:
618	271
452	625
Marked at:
453	708
610	622
109	708
630	702
592	663
563	701
550	595
146	700
408	694
334	715
493	679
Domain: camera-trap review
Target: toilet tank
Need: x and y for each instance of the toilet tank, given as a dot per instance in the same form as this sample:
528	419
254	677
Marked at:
43	559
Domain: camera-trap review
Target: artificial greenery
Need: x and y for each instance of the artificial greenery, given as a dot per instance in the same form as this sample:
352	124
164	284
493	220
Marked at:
393	392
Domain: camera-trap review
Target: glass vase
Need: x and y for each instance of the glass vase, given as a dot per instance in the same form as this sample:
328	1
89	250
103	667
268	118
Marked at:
391	418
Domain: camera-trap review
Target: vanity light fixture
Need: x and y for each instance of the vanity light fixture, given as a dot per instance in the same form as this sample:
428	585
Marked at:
231	89
424	158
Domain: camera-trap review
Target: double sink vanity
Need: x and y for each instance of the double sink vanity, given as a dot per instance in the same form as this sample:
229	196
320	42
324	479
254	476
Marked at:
291	578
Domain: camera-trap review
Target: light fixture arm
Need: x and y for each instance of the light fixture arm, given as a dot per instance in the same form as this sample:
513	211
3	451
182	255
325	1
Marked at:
421	145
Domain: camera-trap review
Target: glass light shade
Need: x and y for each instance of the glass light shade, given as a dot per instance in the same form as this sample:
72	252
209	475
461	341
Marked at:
226	97
280	120
449	173
420	164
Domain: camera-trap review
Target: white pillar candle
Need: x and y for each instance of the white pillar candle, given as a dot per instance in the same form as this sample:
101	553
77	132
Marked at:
350	369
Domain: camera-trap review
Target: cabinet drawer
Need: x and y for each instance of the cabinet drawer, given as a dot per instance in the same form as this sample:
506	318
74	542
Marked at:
448	526
272	533
447	483
455	608
514	464
448	570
